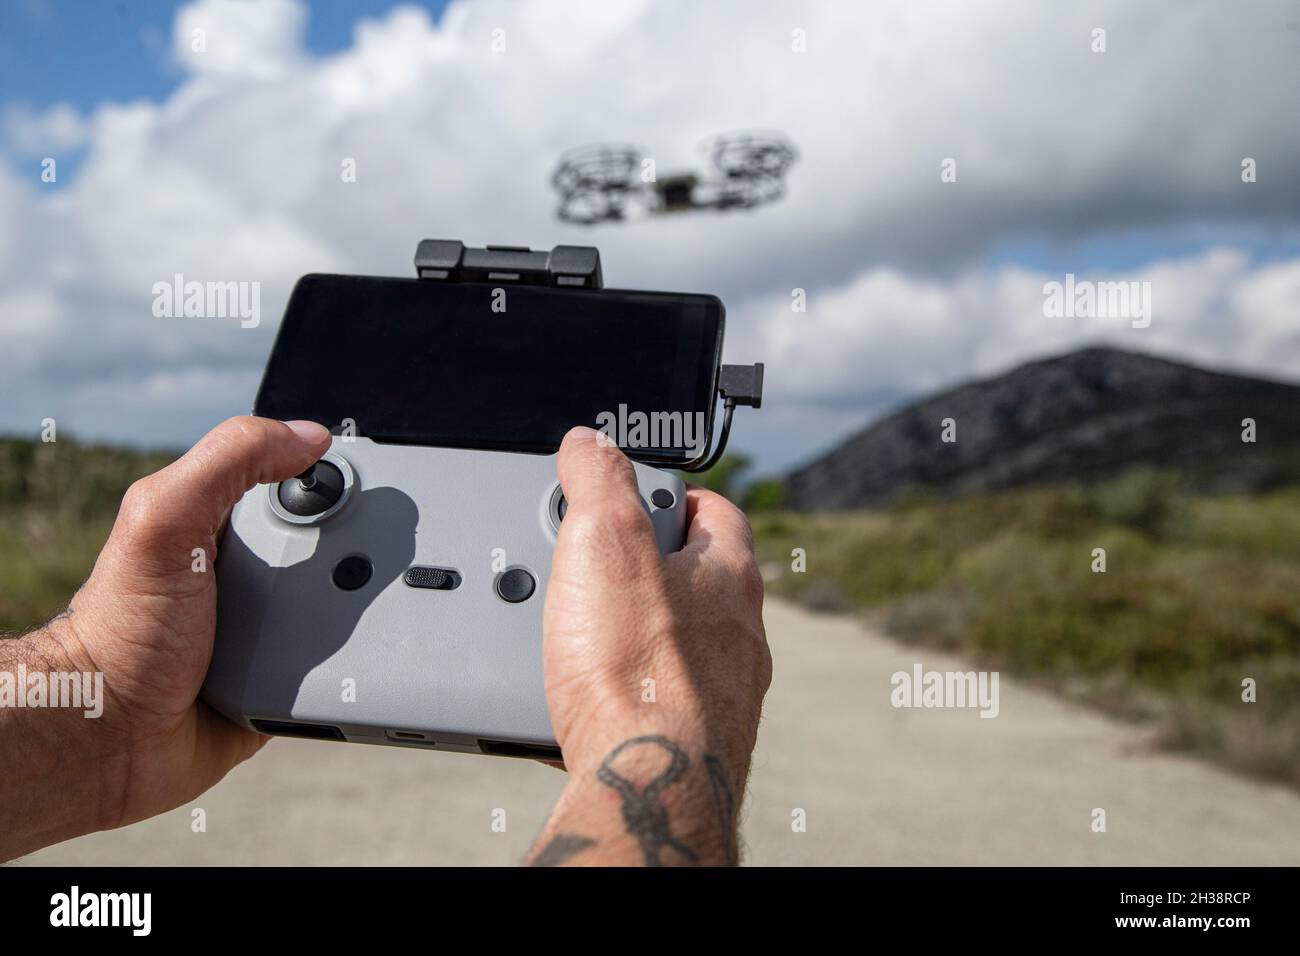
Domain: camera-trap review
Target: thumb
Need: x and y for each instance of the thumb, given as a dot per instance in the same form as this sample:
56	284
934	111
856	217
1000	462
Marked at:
600	486
191	497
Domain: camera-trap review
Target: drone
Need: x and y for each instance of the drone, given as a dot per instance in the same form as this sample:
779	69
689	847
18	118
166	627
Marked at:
608	182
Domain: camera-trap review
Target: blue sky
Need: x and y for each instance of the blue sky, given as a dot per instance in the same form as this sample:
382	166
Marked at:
86	51
1132	248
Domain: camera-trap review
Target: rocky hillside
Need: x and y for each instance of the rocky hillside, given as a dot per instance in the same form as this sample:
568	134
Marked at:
1083	416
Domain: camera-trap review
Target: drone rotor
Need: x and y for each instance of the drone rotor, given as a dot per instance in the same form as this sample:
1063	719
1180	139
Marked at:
752	167
596	182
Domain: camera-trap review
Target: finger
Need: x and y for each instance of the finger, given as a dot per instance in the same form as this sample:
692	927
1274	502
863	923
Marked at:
719	538
197	491
599	481
604	507
714	522
593	470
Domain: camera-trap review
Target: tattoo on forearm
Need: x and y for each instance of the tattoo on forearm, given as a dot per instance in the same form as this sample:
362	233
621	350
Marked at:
561	849
724	801
644	815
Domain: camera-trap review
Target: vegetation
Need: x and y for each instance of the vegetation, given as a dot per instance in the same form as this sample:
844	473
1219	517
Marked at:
765	494
57	503
723	477
1198	593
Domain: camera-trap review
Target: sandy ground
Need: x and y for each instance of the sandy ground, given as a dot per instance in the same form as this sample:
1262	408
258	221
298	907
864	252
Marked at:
877	785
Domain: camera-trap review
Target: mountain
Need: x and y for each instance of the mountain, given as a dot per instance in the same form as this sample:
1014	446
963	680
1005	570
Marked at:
1084	416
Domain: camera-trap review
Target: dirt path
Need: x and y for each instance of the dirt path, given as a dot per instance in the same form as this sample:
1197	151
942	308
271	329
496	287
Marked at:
877	785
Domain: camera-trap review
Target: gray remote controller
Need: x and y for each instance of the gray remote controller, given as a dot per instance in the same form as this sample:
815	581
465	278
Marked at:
393	595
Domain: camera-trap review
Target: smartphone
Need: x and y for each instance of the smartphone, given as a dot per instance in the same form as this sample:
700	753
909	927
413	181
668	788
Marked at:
498	366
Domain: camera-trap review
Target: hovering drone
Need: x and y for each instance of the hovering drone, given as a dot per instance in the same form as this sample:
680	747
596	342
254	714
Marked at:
607	182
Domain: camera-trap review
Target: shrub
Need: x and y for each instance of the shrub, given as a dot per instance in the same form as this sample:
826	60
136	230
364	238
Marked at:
1142	498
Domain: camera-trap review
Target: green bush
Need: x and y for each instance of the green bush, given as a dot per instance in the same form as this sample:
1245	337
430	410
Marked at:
57	505
722	477
766	494
1143	498
1198	593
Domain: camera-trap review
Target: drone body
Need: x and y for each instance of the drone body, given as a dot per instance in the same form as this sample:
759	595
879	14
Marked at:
604	183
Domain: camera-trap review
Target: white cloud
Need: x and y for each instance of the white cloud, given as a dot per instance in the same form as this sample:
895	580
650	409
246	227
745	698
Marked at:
886	332
28	133
237	177
239	39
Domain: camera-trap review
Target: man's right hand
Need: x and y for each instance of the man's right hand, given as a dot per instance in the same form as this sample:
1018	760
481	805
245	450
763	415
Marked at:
655	669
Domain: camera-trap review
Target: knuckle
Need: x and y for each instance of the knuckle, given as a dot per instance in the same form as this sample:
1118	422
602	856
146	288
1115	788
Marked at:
738	522
604	443
744	527
741	569
137	503
609	459
231	454
241	430
137	515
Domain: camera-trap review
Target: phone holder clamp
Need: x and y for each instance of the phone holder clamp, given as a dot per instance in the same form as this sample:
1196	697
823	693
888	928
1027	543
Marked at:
449	260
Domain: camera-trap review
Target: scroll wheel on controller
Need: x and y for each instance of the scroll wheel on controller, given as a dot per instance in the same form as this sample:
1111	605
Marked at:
437	579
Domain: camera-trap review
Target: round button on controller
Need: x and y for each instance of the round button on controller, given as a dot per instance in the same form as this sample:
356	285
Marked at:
353	572
515	585
662	498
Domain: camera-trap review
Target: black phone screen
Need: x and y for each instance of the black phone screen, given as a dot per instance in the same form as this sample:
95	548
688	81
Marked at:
503	367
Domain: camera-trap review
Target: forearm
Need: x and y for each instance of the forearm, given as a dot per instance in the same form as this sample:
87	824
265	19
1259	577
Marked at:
51	783
652	799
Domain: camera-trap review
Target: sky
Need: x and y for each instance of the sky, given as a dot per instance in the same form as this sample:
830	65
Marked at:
223	163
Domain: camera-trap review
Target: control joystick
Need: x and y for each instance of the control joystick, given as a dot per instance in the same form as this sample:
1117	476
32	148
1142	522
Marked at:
313	492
